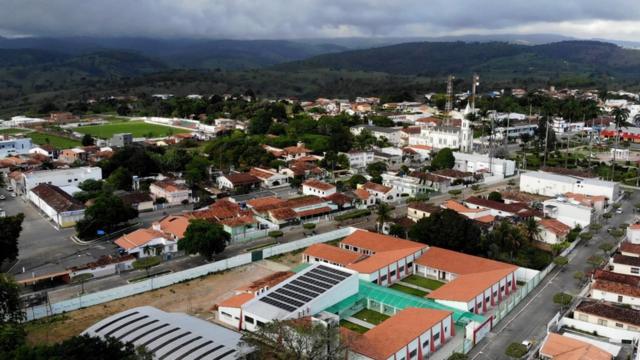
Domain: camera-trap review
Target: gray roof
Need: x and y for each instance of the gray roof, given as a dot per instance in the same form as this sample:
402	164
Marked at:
170	335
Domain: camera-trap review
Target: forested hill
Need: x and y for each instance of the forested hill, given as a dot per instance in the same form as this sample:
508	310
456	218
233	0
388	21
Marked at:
493	59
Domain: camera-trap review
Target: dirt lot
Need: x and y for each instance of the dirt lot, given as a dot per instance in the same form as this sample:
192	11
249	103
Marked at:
195	297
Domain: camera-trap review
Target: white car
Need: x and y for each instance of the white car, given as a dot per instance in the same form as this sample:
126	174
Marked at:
9	188
618	211
2	197
13	194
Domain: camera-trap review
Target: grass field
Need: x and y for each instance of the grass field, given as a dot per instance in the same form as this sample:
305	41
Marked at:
370	316
12	131
56	141
423	282
354	327
408	290
136	128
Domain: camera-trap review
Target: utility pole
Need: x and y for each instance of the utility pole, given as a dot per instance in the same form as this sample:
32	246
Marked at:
546	142
449	104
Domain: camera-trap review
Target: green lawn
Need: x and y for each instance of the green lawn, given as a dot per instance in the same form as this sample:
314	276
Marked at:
354	327
408	290
56	141
370	316
12	131
423	282
136	128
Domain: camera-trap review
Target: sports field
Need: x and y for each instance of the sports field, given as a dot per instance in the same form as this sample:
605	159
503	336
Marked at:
137	128
56	141
13	131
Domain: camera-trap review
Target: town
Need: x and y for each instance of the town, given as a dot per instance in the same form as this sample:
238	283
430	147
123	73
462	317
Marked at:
447	222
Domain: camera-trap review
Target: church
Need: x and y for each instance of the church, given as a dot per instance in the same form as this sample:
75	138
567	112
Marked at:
454	133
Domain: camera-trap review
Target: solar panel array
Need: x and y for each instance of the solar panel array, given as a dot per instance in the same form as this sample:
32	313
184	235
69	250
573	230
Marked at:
305	288
163	339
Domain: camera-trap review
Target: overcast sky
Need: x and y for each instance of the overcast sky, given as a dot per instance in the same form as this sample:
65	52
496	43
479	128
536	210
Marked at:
277	19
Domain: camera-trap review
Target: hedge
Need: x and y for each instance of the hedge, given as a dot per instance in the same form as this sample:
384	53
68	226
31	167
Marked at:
353	214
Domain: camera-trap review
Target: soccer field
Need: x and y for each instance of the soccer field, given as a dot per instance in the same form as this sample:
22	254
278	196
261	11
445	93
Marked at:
136	128
56	141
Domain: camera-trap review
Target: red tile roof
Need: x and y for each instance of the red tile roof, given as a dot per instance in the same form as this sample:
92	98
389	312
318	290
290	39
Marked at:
558	347
628	247
362	194
265	203
555	227
57	198
616	288
237	301
339	198
283	214
513	208
395	333
321	185
261	173
376	187
175	225
239	179
608	311
170	185
333	254
138	238
315	211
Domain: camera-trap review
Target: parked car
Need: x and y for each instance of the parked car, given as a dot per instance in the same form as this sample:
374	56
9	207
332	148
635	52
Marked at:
619	211
9	188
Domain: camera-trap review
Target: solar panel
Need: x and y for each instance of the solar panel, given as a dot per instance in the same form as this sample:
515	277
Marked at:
286	300
335	271
277	304
317	276
329	275
308	286
294	295
311	294
324	286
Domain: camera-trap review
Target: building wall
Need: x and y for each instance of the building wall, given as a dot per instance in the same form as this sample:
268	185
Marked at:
549	237
309	190
615	298
625	269
568	213
173	197
633	235
546	187
15	147
416	215
597	320
230	316
66	219
62	177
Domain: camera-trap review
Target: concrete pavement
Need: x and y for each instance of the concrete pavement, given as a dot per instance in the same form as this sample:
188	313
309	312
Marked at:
529	319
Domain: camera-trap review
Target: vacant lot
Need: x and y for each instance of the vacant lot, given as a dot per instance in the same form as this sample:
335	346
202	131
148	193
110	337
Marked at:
12	131
195	297
136	128
58	142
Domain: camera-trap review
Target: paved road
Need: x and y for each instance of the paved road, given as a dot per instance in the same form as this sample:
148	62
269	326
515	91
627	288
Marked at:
529	319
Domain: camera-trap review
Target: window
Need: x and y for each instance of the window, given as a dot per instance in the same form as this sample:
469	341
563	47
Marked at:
619	325
635	270
583	317
425	343
383	277
259	323
502	288
413	354
392	273
401	269
602	322
620	297
225	314
436	336
248	319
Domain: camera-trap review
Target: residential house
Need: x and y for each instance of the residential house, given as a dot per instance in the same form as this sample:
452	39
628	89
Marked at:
174	192
45	150
420	210
147	242
596	202
423	152
377	258
633	233
478	214
412	333
473	283
381	193
497	208
481	163
270	178
139	200
16	146
628	264
71	156
289	153
364	198
121	140
605	314
318	188
553	231
405	184
238	182
455	176
240	223
392	134
60	206
433	181
568	213
615	288
392	159
562	347
359	159
407	132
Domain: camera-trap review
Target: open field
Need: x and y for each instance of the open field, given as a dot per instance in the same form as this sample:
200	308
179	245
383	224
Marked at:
13	131
195	297
136	128
56	141
408	290
370	316
423	282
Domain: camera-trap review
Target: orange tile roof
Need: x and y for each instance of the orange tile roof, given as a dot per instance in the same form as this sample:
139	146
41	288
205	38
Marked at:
558	347
486	219
283	214
239	221
333	254
376	187
459	208
617	288
630	248
635	226
265	203
261	173
315	211
395	333
473	273
237	301
555	226
303	201
138	238
296	150
378	242
318	184
175	225
170	185
362	194
588	200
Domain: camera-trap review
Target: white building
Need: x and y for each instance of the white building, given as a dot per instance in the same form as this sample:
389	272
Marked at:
392	134
405	184
62	208
359	159
570	213
59	177
619	154
550	184
147	242
174	192
475	163
515	131
18	121
318	188
553	231
14	147
270	178
561	126
381	193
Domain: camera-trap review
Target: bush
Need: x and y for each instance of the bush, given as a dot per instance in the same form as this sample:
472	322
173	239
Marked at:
516	350
275	234
353	215
455	192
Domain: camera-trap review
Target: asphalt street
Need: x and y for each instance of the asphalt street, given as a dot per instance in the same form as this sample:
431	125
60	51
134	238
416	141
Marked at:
528	321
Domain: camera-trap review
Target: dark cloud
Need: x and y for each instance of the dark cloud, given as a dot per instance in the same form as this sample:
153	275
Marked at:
317	18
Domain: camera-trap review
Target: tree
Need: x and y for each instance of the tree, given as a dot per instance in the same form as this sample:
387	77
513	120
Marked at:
10	304
606	248
375	170
495	196
303	340
458	356
309	226
107	213
507	238
121	179
531	229
82	347
146	263
197	170
355	180
261	123
383	213
562	299
444	159
595	261
449	230
398	231
585	237
205	238
10	229
87	140
595	227
516	350
561	262
616	234
275	234
579	276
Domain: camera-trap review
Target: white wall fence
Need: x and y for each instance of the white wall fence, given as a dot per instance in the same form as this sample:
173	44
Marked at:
104	296
614	335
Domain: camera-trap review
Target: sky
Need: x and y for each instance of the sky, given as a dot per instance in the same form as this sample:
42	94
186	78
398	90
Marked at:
296	19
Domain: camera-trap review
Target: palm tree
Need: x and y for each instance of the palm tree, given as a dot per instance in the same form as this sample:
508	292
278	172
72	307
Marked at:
531	230
384	214
620	116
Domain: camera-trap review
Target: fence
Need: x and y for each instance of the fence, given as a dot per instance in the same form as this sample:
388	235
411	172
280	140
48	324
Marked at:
104	296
